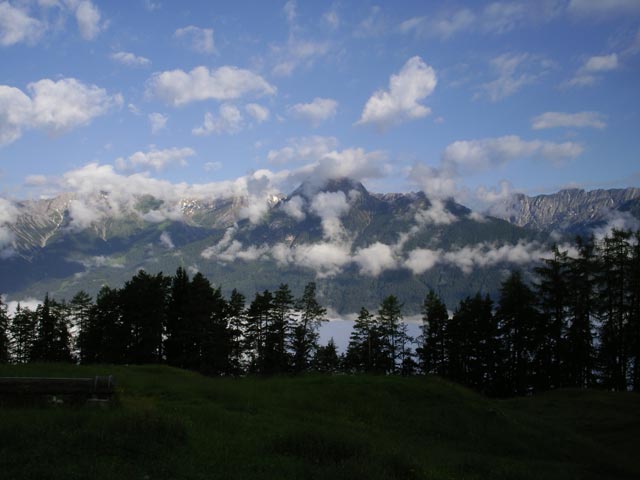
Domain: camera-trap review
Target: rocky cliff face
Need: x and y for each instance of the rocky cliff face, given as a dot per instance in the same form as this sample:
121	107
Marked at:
570	210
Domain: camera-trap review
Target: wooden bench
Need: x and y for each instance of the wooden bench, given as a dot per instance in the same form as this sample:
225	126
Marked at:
98	389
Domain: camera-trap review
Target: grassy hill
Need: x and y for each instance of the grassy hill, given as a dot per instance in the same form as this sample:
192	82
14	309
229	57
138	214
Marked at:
172	424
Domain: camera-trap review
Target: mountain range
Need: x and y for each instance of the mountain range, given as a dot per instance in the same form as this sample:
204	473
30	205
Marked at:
357	245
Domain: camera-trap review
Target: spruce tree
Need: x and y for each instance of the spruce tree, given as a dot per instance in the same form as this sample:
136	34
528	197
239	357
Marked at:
305	333
279	330
22	331
517	319
615	308
4	333
326	358
178	343
79	312
364	346
237	323
258	315
432	353
144	301
552	290
390	322
582	308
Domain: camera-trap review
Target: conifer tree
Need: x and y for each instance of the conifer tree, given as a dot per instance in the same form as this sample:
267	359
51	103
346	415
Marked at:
389	322
22	331
179	323
4	333
614	304
305	332
326	359
432	353
79	309
144	301
237	323
258	315
279	329
215	343
517	318
52	342
634	314
105	338
552	290
364	344
581	299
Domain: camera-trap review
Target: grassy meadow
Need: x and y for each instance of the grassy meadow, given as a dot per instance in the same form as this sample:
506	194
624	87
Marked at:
173	424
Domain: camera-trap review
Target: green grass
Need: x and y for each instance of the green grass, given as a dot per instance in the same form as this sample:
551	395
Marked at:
172	424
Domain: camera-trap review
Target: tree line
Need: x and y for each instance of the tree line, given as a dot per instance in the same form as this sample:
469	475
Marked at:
575	324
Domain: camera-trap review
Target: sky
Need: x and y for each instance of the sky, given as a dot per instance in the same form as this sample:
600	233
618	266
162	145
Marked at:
467	99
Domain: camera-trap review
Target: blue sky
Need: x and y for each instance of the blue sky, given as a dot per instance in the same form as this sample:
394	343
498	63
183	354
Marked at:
471	99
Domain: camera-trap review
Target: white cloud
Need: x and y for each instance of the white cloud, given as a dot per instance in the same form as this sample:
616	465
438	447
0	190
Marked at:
326	259
177	87
303	149
375	259
480	255
514	71
331	18
8	215
26	303
56	107
470	156
436	214
296	53
16	26
166	241
289	10
502	17
294	207
598	8
155	159
212	166
61	106
100	261
373	25
477	156
421	259
201	38
151	6
589	73
494	18
229	120
158	121
568	120
316	112
130	59
15	113
258	112
415	81
88	18
330	206
442	26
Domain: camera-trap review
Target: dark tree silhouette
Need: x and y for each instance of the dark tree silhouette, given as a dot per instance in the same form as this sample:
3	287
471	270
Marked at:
305	333
581	300
22	330
517	318
4	333
432	352
552	290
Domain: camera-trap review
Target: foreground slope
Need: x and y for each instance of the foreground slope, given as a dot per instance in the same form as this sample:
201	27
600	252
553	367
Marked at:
175	424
